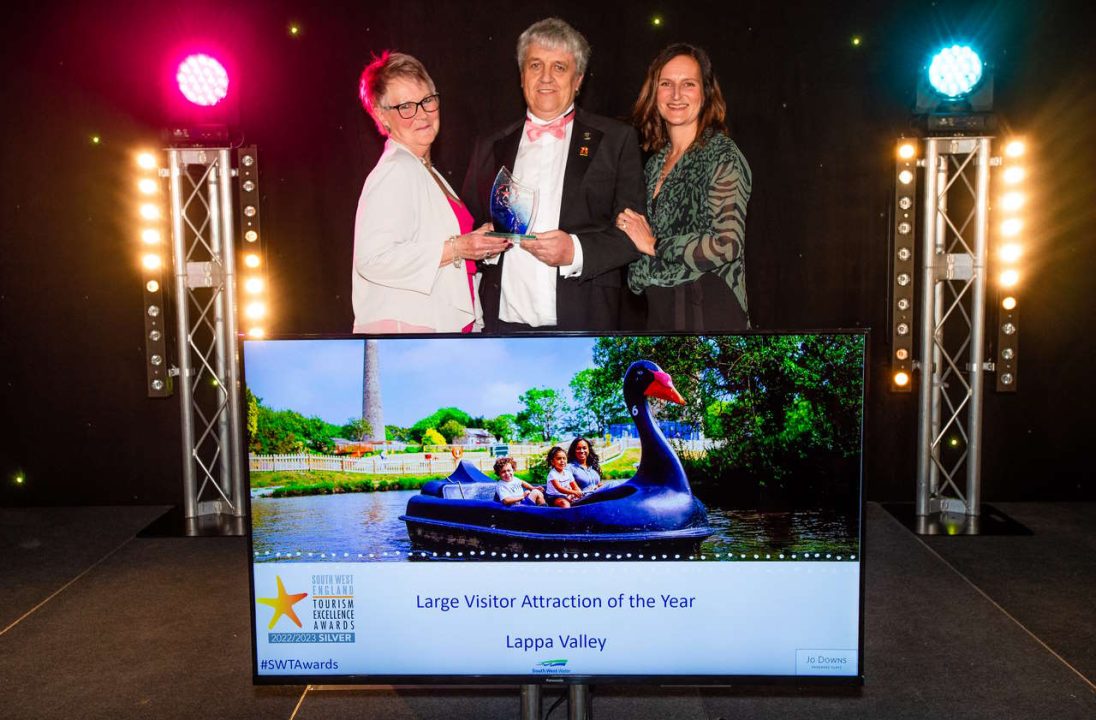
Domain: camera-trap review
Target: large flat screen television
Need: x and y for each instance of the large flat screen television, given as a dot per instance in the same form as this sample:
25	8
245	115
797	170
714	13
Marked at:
719	542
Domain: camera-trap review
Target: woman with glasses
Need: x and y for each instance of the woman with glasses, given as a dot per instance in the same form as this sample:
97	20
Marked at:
414	246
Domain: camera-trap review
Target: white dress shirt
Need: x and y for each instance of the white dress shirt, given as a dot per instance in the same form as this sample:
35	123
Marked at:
528	285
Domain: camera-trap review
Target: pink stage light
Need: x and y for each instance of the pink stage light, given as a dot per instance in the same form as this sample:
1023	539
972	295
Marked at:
202	80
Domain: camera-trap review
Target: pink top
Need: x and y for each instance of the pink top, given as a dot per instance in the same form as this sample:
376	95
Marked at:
464	221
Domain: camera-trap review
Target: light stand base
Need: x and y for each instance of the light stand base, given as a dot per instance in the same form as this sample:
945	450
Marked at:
174	524
990	521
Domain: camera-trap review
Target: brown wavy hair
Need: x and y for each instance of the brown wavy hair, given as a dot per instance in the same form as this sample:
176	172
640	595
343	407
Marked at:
653	135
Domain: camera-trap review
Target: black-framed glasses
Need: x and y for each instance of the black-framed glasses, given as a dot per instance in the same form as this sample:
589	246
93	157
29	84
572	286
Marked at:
409	110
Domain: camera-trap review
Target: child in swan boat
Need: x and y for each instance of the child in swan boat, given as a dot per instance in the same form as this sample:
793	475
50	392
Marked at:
510	490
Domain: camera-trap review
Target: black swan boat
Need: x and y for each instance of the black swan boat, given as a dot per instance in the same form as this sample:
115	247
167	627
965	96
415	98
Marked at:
652	512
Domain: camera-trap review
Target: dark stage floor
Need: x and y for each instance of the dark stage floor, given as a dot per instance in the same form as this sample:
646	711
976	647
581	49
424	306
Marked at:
97	623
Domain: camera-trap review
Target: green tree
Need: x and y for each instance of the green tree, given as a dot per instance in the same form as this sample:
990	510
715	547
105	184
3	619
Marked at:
287	431
252	414
778	402
358	429
598	401
451	430
542	413
395	432
503	427
437	419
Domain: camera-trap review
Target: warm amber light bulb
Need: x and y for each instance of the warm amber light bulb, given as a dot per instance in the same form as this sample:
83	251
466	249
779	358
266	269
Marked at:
905	177
1008	278
146	161
1012	201
251	260
1009	303
1010	253
1014	175
906	151
253	285
255	310
151	261
1015	148
901	379
1012	227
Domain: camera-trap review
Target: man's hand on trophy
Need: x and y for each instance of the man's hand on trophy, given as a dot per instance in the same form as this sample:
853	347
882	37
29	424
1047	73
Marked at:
554	248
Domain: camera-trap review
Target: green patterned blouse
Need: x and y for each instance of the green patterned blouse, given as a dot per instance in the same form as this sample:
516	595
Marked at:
699	218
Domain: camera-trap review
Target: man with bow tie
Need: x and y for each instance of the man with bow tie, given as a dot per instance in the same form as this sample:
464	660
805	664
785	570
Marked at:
586	169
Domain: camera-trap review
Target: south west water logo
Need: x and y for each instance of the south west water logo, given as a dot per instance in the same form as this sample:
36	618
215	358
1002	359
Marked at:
551	667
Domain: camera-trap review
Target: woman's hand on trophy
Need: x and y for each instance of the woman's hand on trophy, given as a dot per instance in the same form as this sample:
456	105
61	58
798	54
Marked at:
478	245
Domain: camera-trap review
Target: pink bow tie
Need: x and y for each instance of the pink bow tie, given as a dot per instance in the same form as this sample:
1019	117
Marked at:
557	128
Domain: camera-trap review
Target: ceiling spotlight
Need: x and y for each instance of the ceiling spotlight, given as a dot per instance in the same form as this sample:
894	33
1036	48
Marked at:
1009	303
149	236
1014	148
150	212
1008	278
147	186
905	177
906	151
253	285
152	261
251	260
1012	227
955	71
901	379
1014	175
146	161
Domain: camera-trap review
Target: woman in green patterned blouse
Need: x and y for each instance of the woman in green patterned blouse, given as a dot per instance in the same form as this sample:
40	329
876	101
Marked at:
693	271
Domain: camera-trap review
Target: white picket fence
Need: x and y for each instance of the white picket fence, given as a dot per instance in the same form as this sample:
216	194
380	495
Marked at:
440	463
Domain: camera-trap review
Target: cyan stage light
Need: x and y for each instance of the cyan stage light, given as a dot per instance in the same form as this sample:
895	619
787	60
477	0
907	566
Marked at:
955	71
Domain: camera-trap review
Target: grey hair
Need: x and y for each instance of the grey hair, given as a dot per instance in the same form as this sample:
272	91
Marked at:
555	34
375	78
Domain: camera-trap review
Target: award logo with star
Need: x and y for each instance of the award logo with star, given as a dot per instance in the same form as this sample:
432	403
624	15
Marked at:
283	604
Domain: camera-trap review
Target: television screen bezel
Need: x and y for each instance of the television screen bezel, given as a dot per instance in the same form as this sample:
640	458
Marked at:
856	680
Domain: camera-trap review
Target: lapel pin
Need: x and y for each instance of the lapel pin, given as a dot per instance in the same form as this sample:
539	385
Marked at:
584	151
586	135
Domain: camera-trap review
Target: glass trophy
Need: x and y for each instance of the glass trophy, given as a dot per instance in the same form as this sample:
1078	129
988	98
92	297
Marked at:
513	207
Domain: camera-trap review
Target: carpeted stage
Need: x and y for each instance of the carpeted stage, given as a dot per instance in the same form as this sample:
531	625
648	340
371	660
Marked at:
98	623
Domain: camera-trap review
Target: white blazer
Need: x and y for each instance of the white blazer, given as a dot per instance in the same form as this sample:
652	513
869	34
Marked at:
402	223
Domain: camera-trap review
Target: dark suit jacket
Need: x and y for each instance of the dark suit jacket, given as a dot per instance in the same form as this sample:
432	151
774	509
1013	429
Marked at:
603	176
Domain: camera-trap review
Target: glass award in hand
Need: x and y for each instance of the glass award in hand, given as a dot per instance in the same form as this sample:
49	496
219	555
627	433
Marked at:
513	207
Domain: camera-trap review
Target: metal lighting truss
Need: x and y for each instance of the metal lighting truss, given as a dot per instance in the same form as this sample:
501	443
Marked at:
203	249
954	213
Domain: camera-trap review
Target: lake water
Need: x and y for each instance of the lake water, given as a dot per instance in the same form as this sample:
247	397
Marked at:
366	527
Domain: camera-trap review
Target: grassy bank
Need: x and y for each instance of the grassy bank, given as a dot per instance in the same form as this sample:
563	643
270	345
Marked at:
331	482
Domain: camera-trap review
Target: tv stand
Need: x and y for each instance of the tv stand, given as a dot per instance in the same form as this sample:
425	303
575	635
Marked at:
578	702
